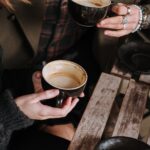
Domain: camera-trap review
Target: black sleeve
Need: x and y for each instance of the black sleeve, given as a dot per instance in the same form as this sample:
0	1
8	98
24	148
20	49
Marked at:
11	118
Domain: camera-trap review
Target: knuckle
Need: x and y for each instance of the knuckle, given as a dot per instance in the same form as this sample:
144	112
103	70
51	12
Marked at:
118	35
109	26
39	117
120	18
64	113
43	113
46	94
40	95
119	11
118	26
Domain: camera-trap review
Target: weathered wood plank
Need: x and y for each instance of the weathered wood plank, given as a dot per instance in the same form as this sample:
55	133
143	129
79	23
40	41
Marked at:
92	124
145	78
124	86
111	121
132	109
119	72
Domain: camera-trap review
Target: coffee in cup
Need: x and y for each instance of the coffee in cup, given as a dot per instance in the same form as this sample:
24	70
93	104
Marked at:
88	12
69	77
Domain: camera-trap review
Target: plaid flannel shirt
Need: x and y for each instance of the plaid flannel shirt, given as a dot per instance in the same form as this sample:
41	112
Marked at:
59	32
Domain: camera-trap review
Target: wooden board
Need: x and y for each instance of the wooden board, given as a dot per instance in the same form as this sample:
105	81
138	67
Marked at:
118	72
124	85
95	117
145	78
132	109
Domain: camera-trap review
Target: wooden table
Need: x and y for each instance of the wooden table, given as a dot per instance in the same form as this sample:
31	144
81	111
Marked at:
103	118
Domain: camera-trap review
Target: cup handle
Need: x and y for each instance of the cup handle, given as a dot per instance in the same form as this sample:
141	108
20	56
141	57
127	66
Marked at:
108	8
60	98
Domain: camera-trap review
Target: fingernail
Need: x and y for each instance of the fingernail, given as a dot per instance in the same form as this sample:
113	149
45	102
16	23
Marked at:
119	4
77	99
102	23
70	98
98	25
55	91
106	33
38	75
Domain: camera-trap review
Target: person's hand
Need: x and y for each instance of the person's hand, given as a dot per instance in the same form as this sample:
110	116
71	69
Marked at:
124	23
32	107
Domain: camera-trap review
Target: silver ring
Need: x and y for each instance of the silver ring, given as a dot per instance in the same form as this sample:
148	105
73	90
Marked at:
124	20
128	10
124	26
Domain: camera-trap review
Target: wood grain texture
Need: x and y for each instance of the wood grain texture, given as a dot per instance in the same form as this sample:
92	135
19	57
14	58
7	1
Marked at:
94	119
119	72
124	85
145	78
132	109
109	128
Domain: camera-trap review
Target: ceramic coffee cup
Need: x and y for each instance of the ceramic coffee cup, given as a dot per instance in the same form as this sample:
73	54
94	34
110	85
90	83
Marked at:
86	13
67	76
121	143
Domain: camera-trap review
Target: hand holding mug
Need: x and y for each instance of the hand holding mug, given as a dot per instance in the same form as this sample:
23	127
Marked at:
32	107
67	76
124	23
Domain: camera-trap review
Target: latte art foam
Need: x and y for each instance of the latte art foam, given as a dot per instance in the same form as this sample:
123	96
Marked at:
63	80
92	3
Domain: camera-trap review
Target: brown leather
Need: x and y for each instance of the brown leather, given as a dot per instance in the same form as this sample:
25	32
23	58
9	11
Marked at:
19	35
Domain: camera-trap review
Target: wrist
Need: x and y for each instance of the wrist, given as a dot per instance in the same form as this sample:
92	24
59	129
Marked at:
138	27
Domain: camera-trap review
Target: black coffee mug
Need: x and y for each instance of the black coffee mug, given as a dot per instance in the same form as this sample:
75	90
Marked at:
121	143
69	77
87	14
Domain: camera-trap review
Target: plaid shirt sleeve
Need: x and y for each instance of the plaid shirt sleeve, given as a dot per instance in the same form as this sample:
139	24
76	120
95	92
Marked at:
59	31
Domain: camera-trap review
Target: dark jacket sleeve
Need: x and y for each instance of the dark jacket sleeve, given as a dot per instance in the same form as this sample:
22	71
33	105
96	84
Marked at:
11	118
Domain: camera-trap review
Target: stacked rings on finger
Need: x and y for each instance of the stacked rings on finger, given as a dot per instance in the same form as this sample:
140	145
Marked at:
125	18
